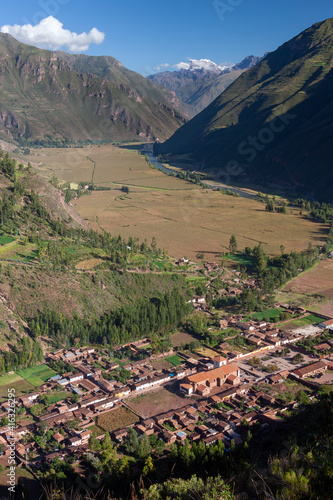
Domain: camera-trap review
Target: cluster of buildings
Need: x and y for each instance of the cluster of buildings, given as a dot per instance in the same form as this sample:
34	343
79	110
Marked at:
220	394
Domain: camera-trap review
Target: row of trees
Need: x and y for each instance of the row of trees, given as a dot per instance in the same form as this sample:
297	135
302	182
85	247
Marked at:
271	206
127	323
320	212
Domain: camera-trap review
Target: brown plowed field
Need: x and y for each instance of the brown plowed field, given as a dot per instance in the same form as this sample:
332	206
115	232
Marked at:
318	280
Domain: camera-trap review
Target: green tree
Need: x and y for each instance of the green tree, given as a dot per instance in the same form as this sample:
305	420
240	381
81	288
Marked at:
302	397
144	448
148	467
233	244
260	259
270	205
131	441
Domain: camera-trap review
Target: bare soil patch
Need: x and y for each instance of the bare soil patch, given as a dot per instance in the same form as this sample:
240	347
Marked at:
160	364
116	419
159	401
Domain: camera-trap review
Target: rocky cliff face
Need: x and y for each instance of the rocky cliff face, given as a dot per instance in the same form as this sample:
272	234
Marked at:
43	95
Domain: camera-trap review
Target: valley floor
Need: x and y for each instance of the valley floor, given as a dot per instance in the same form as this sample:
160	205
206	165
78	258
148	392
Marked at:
185	218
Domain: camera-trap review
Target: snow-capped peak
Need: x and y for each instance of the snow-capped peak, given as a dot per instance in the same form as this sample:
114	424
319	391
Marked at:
202	64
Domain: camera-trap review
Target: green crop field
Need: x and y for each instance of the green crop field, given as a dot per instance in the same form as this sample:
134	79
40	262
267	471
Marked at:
58	397
241	258
37	375
175	360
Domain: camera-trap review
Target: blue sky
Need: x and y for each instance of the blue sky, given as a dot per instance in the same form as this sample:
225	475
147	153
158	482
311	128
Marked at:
145	34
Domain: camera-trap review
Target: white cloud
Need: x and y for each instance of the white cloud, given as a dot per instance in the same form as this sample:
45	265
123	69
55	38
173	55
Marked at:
161	66
182	65
50	34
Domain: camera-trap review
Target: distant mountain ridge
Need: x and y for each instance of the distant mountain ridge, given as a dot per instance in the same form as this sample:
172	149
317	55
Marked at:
78	97
275	122
201	82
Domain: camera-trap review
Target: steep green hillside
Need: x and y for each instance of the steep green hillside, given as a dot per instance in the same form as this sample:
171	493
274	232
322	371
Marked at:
46	94
275	120
50	263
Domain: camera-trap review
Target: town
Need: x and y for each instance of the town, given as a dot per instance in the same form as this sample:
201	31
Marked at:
209	397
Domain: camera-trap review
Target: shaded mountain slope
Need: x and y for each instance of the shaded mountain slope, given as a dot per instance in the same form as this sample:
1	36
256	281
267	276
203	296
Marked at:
275	120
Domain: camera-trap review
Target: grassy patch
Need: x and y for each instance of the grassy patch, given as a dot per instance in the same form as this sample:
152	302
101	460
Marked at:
204	351
175	360
58	397
6	239
195	279
241	258
269	315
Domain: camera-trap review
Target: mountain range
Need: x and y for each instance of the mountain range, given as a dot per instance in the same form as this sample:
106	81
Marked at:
274	124
45	94
200	82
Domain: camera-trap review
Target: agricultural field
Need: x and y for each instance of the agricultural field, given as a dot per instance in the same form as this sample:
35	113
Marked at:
191	221
301	322
180	338
37	375
60	396
318	280
18	251
160	364
9	379
185	219
116	419
21	386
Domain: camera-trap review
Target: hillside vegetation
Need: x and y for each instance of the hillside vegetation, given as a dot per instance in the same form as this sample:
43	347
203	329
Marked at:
51	96
50	263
